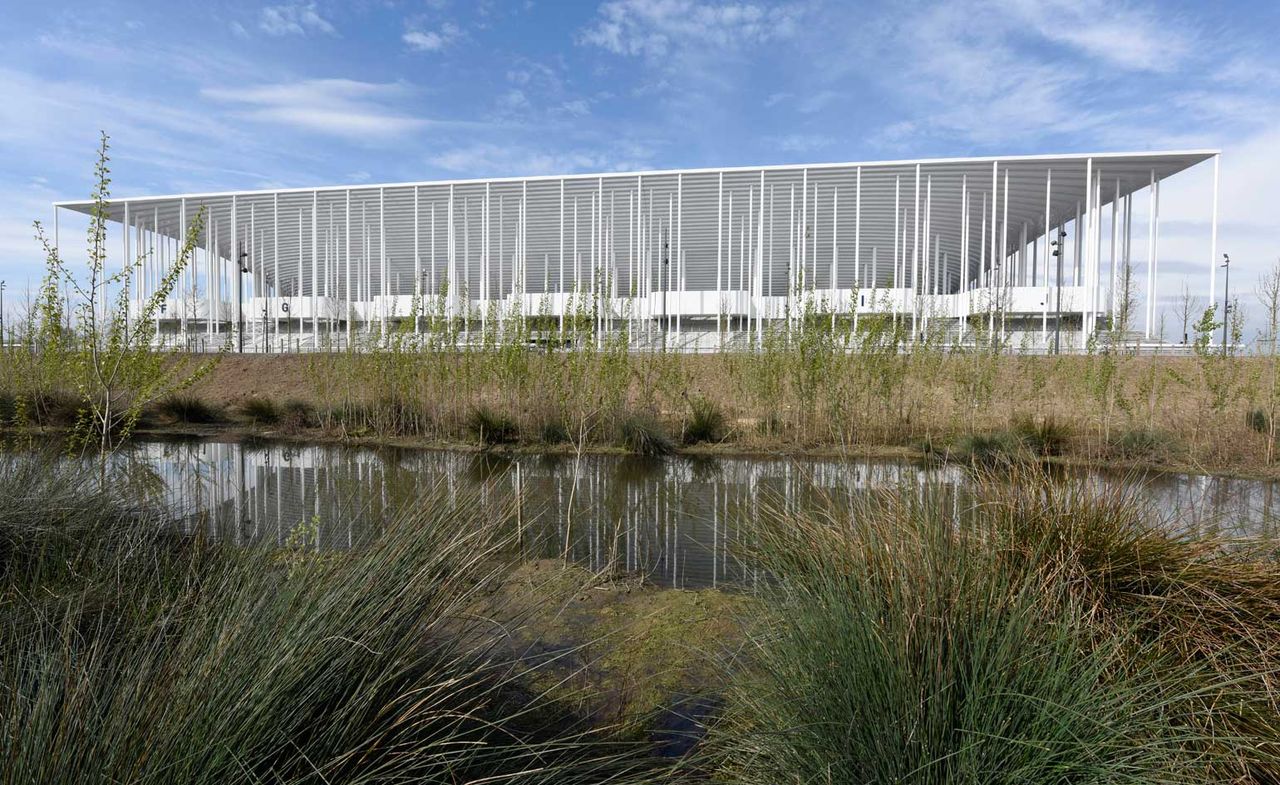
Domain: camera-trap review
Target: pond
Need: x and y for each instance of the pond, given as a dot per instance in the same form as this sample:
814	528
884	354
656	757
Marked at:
678	521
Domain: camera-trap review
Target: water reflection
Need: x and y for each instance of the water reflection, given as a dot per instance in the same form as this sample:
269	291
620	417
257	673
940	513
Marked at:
677	521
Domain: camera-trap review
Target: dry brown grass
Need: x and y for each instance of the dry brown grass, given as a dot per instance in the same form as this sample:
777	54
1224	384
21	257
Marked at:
1152	398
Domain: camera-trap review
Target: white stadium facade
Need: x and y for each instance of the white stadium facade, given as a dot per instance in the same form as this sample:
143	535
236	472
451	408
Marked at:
687	259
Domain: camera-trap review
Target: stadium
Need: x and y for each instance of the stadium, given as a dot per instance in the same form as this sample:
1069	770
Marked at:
1037	250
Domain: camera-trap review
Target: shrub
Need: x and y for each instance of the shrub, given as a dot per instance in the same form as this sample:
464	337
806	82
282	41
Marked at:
554	432
55	408
490	428
260	411
989	449
8	408
295	415
188	409
1147	444
1045	436
1258	420
644	435
706	422
396	414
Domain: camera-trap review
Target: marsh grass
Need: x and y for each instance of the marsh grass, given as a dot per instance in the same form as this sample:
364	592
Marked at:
132	654
187	409
259	410
999	448
642	434
706	422
491	429
296	415
1042	634
1258	421
1141	443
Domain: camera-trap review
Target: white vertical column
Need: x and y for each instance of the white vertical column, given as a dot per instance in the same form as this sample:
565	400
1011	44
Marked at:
235	270
524	242
1115	248
347	265
679	250
1155	265
962	308
758	294
804	224
560	275
315	269
126	264
417	269
275	253
451	268
991	282
1004	256
382	257
1149	311
897	258
1213	235
835	248
857	246
915	257
719	255
1048	244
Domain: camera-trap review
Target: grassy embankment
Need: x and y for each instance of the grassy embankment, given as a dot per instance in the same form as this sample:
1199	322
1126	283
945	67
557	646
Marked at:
1207	414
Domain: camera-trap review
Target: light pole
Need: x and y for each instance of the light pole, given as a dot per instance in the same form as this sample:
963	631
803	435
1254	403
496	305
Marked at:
1057	308
666	265
242	267
1	313
1226	301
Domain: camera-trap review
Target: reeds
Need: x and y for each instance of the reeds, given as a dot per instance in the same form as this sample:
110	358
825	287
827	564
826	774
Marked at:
187	409
642	434
132	654
1042	633
706	422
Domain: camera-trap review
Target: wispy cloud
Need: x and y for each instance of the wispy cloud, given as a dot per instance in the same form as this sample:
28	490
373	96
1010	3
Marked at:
482	159
1119	34
339	107
294	19
654	28
432	40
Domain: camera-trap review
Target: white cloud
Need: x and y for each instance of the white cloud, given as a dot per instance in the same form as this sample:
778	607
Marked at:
803	143
1120	34
654	28
432	40
293	19
482	159
576	108
337	107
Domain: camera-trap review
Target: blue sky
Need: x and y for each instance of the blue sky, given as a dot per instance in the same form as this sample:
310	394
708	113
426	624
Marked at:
221	95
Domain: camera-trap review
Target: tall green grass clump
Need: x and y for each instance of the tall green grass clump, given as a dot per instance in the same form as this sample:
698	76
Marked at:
706	422
260	411
908	644
187	409
132	654
642	434
490	428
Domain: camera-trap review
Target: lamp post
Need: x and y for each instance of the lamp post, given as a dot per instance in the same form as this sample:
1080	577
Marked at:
2	313
1226	301
666	264
242	267
1057	308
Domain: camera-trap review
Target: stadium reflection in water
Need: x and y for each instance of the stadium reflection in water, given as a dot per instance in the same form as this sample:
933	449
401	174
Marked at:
677	521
